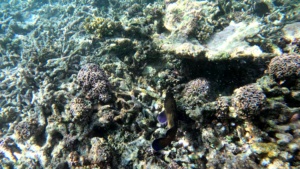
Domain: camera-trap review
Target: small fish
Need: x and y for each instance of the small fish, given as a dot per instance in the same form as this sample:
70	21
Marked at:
171	116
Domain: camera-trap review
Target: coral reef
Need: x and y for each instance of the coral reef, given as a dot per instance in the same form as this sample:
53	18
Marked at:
82	84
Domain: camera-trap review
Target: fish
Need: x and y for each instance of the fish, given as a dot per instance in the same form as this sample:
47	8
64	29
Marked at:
171	114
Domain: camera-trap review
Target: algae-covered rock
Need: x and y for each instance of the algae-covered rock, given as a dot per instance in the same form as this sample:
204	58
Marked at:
100	153
80	109
7	115
291	31
182	16
269	150
185	18
102	27
283	139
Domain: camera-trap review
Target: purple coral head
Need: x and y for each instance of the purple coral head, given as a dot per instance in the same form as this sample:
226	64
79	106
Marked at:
162	118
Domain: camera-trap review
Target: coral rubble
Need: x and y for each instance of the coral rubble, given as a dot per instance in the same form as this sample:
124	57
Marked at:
92	84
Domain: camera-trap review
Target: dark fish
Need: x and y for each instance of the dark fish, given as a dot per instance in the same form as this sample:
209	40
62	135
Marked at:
171	115
161	143
170	109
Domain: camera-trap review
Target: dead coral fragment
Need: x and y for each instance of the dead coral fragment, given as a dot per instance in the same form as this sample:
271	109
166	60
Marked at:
269	150
100	153
24	130
73	159
94	82
102	27
285	66
6	149
248	100
79	108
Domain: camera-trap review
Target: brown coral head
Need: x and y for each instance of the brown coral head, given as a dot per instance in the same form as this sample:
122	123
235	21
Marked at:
199	86
248	100
285	67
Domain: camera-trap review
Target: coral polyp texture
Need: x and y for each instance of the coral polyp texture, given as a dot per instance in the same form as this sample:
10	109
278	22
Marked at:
285	67
197	87
94	83
248	100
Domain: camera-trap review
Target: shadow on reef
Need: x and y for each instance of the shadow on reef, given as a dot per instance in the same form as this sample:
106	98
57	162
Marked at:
225	75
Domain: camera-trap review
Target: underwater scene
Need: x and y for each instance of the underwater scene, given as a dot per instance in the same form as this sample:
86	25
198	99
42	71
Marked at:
149	84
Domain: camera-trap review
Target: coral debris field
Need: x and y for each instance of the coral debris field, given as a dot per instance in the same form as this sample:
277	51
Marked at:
82	84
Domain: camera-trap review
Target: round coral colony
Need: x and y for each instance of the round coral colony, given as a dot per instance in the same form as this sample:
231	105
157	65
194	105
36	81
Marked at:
94	83
248	100
285	67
